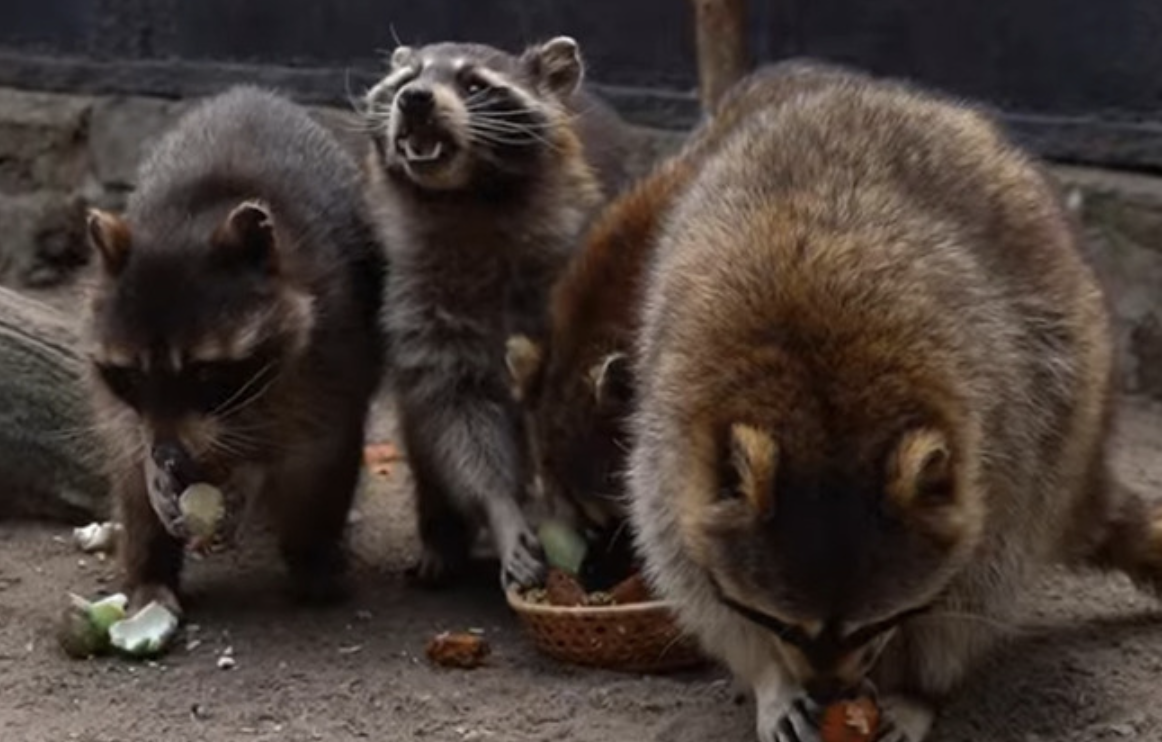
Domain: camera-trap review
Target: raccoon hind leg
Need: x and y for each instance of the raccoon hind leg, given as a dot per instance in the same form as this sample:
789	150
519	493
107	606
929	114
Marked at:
1118	529
446	533
310	497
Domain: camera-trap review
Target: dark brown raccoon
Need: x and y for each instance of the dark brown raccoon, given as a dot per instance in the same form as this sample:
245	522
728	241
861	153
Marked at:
235	336
873	395
577	385
484	171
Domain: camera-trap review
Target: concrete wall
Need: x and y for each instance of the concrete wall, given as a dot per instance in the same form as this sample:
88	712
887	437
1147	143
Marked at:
60	153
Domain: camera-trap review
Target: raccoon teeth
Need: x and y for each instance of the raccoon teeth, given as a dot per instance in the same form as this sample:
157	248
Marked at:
415	155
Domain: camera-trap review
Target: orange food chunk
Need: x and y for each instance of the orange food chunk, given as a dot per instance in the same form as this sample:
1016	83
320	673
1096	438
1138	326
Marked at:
856	720
632	589
464	651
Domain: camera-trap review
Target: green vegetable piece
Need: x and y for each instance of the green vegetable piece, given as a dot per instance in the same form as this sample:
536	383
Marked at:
83	630
145	633
564	547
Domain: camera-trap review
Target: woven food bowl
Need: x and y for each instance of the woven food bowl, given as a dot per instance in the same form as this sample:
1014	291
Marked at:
639	637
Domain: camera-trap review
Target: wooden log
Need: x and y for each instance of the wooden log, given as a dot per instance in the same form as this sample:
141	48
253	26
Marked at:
49	455
720	43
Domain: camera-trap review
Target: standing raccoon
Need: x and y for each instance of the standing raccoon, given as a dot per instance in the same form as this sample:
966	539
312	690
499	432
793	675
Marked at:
485	169
235	336
874	380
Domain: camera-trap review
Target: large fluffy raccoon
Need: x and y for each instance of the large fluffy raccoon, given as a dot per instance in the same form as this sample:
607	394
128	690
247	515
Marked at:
235	335
874	394
484	165
577	385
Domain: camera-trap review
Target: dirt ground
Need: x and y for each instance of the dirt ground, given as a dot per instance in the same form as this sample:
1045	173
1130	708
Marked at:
1084	667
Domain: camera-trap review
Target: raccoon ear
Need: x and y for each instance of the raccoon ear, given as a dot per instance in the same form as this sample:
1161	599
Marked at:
401	56
247	235
920	471
754	459
556	65
523	358
109	236
612	380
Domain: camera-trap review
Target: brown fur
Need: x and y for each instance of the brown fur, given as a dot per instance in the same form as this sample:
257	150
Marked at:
577	386
874	284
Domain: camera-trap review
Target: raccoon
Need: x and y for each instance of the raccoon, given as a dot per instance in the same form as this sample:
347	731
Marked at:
874	385
577	386
483	168
235	338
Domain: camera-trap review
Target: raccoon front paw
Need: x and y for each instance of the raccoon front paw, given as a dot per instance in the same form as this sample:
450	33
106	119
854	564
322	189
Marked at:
800	723
904	720
523	563
435	569
147	593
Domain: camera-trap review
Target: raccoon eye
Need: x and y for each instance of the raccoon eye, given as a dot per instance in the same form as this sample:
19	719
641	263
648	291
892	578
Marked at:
472	83
221	385
124	382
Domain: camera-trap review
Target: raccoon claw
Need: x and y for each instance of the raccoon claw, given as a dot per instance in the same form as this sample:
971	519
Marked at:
889	732
143	595
904	719
799	724
432	570
523	565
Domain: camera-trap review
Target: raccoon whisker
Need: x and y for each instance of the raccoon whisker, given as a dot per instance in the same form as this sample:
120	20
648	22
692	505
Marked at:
504	137
508	126
366	124
502	127
226	409
80	432
536	122
508	113
394	35
511	124
484	136
621	528
476	97
505	126
1001	626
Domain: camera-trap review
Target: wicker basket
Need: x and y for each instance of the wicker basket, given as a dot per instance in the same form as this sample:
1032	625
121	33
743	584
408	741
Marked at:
639	638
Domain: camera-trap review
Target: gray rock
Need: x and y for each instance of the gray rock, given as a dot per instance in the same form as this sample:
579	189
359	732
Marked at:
43	238
1122	215
42	140
122	130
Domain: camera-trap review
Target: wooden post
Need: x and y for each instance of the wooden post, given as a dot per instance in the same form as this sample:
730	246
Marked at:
49	456
720	42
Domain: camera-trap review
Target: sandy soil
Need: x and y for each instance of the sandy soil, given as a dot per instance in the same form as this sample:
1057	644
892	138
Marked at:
1084	667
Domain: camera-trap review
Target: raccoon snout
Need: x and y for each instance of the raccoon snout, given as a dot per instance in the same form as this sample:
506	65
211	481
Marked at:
418	102
171	457
826	690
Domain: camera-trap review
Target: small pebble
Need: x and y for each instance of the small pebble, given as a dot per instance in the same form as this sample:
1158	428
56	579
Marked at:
226	662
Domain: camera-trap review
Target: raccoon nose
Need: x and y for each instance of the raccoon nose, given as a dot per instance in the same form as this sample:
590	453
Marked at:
171	458
827	690
416	101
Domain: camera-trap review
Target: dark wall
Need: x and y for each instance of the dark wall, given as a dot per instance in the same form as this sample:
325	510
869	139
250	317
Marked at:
1077	80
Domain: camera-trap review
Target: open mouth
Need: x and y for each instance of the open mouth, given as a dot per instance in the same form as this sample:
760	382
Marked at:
422	149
